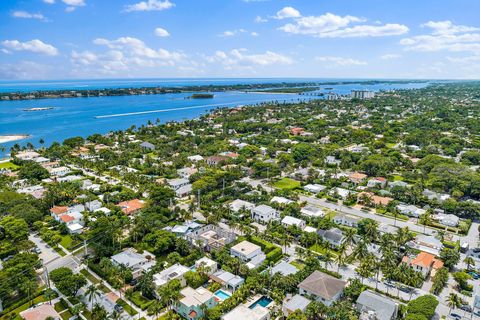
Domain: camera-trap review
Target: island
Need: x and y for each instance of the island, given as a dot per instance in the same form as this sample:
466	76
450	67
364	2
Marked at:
38	109
202	96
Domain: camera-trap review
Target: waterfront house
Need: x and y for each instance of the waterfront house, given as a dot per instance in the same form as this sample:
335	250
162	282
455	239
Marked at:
372	305
27	155
322	287
194	303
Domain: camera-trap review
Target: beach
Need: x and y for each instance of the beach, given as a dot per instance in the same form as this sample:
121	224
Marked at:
13	137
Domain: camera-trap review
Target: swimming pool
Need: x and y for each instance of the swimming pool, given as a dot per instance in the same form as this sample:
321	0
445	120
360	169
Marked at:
263	302
222	295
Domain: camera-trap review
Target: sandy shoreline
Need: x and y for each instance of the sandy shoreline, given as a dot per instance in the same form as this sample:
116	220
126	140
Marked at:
12	137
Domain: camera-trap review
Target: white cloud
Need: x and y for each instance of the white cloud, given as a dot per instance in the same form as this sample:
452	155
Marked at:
259	19
241	59
28	15
445	36
287	12
24	70
49	1
70	9
254	34
160	32
340	62
74	3
150	5
390	56
330	25
231	33
35	45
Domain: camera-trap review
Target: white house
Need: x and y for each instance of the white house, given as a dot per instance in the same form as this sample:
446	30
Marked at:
333	236
136	262
238	204
370	304
264	213
448	220
346	220
207	264
177	271
289	221
410	210
249	253
314	188
297	302
281	200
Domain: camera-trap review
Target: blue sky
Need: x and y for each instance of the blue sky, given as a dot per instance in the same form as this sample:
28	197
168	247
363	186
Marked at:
63	39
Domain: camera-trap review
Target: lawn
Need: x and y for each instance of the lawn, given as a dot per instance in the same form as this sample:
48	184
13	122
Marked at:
66	315
8	165
90	276
397	178
297	264
140	301
68	242
128	309
60	306
390	145
321	250
23	307
287	184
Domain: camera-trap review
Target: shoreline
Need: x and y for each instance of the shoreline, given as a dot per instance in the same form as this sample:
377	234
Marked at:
13	137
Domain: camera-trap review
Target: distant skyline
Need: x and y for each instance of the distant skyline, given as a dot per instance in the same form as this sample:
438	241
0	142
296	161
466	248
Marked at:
81	39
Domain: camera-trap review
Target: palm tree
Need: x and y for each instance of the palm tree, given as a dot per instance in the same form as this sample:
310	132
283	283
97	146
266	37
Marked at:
155	308
49	295
91	293
327	258
349	237
425	219
365	269
453	301
114	315
340	259
470	262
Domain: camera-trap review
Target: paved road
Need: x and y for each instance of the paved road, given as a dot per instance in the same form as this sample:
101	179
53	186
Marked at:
48	254
362	214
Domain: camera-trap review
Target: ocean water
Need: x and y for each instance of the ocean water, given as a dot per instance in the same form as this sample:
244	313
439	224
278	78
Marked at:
85	116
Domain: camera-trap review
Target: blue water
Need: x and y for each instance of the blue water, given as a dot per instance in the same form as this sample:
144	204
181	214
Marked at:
85	116
263	302
222	295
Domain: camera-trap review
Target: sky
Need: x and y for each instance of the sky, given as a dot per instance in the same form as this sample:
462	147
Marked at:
83	39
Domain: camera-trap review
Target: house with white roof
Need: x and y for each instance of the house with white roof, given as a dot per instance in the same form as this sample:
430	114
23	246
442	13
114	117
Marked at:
194	303
176	271
281	200
289	221
228	280
312	211
333	236
136	262
244	312
284	268
195	158
249	253
208	265
410	210
292	304
314	188
264	213
448	220
373	305
238	204
346	220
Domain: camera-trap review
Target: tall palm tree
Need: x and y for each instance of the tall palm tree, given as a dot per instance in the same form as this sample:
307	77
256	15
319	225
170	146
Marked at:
327	258
453	301
349	237
425	219
340	259
91	293
470	262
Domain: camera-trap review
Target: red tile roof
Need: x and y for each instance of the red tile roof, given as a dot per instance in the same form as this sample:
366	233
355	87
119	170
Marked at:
58	210
132	206
66	218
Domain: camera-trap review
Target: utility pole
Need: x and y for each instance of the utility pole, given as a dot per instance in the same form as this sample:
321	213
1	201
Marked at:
198	199
85	245
223	189
47	277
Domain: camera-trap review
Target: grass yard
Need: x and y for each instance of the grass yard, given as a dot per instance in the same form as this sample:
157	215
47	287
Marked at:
319	249
21	308
90	276
66	315
390	145
140	301
60	306
397	178
68	242
128	309
297	264
8	165
287	184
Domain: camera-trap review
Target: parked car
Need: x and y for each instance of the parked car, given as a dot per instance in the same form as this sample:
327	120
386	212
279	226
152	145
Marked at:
118	308
476	250
466	307
474	275
455	316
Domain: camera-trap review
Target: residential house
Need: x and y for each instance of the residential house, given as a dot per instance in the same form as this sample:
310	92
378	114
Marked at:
289	221
186	172
357	177
93	205
211	237
331	160
245	312
41	312
432	195
194	303
312	211
399	184
284	268
228	280
292	304
424	262
426	243
264	213
280	200
346	220
296	131
176	184
216	160
132	206
410	210
138	263
238	204
195	158
372	305
27	155
176	271
333	236
448	220
248	253
147	146
59	171
375	200
322	287
181	230
343	193
314	188
377	182
209	266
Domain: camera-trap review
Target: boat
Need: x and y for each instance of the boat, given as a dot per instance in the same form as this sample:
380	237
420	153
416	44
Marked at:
38	109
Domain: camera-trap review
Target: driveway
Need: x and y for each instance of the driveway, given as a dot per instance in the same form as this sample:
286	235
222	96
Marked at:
48	254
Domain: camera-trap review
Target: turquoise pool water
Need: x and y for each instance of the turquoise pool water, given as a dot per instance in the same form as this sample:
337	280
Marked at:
263	302
222	295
